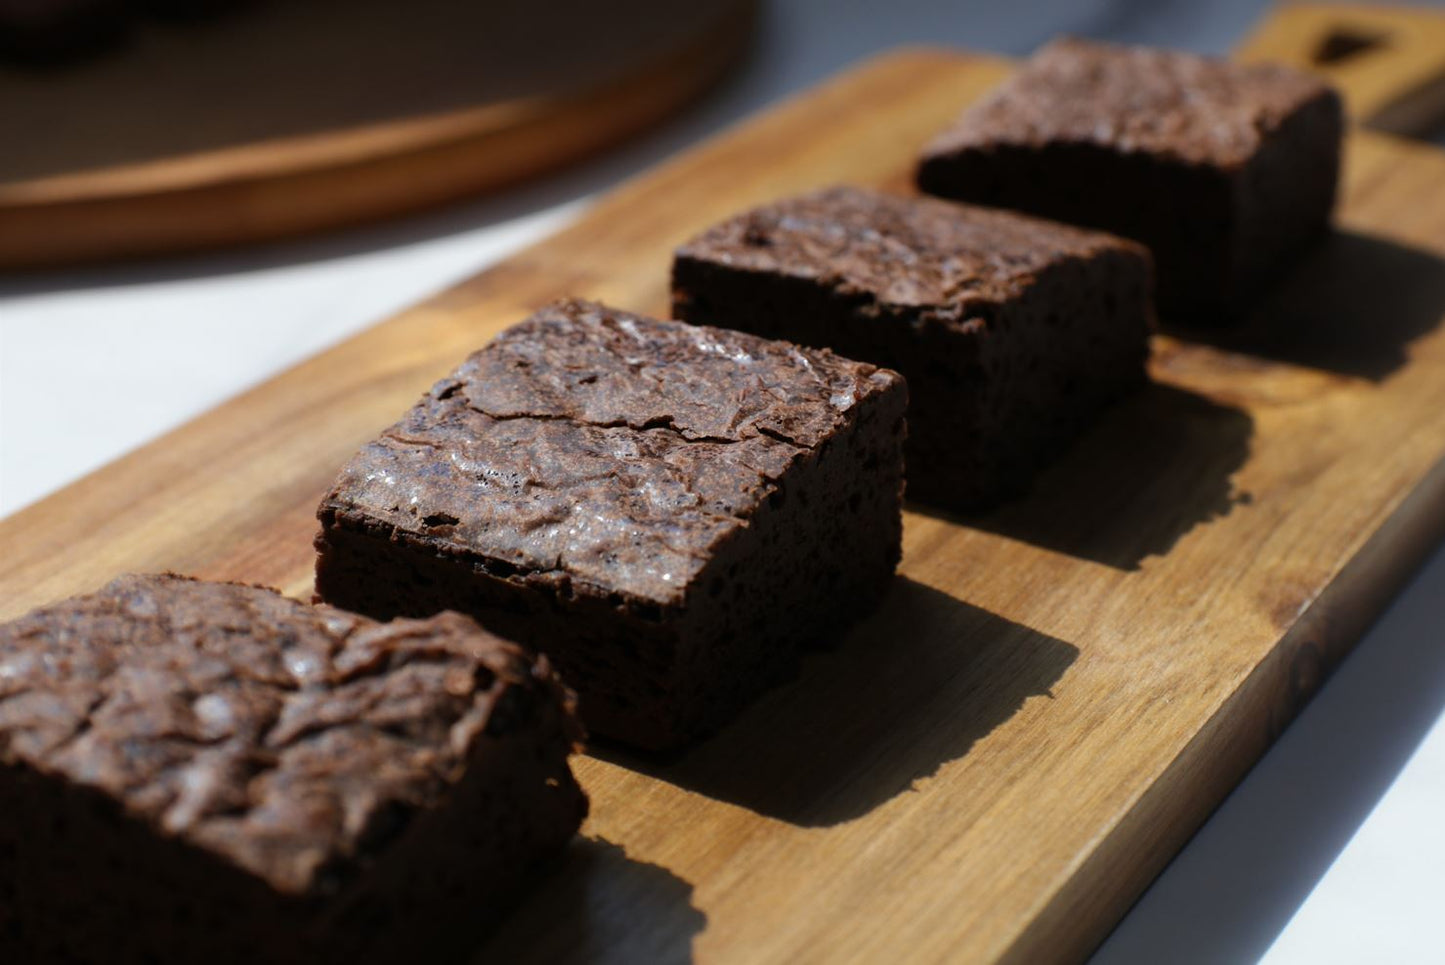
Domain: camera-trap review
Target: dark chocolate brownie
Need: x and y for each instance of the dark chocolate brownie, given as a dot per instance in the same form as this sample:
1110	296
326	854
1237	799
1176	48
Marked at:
1225	170
1012	332
670	512
206	772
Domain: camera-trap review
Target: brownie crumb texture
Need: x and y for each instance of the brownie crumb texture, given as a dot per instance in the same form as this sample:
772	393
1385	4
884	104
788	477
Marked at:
669	511
1226	171
1013	332
196	771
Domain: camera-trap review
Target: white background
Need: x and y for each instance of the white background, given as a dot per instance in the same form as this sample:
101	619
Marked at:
1332	849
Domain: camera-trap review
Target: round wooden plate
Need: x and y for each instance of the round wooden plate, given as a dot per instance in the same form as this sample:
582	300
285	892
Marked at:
287	118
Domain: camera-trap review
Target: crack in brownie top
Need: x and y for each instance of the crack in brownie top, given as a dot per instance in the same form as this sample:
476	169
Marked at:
291	740
592	446
592	365
954	259
1195	109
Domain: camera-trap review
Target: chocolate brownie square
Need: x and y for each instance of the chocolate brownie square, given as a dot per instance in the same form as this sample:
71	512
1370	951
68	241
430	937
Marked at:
1011	331
1226	171
207	772
669	512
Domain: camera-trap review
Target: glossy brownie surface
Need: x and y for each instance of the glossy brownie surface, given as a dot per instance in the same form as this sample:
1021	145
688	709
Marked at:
604	448
671	512
1198	110
900	252
280	737
1227	172
1012	331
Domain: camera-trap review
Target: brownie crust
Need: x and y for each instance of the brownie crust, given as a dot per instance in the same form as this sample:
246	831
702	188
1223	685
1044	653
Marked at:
1011	331
669	511
1226	171
212	772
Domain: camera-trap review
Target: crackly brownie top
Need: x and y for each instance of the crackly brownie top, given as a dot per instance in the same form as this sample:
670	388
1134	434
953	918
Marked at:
913	252
603	450
1199	110
290	740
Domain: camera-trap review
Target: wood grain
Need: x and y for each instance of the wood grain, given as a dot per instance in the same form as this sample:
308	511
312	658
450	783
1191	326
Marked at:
293	118
1054	696
1389	61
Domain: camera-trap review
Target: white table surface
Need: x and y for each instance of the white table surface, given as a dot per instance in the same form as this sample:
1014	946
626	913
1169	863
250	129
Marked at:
1333	848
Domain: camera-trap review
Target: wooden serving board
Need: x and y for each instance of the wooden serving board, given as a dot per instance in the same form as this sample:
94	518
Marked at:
1053	697
288	118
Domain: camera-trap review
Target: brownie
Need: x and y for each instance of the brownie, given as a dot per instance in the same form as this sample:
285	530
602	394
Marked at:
1225	170
1012	332
670	512
207	772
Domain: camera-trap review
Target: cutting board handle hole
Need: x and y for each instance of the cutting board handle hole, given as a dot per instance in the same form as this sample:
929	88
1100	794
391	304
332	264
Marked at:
1347	43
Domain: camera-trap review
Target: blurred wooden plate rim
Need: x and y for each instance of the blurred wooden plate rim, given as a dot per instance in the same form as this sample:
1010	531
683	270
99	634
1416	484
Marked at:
281	187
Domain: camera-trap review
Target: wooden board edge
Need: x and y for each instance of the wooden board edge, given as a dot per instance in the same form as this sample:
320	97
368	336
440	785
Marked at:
1110	879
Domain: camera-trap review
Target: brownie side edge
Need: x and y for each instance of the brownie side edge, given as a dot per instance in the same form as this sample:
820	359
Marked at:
1184	213
648	675
89	872
366	565
1286	195
980	424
